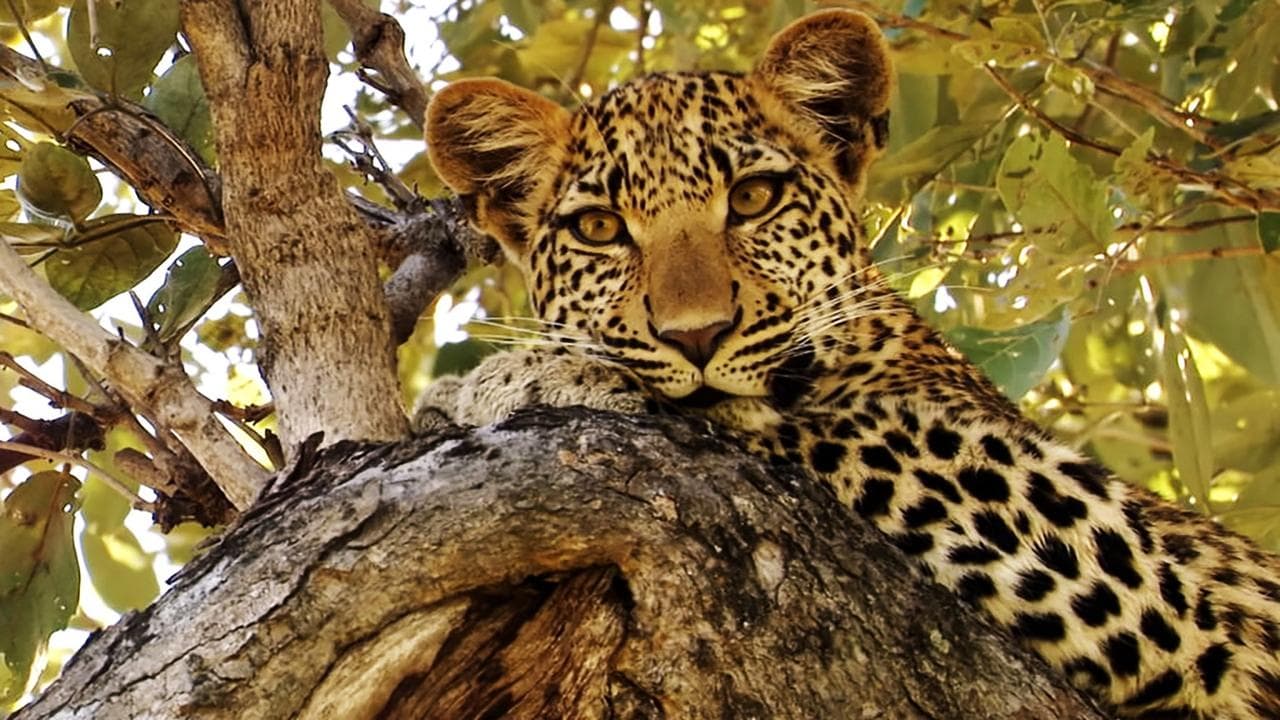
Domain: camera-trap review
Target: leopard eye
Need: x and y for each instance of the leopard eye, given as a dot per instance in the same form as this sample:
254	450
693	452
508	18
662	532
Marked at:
754	197
598	227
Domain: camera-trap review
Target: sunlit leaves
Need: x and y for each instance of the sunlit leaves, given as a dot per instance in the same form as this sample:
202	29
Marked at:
1011	42
39	576
1234	303
1045	187
1015	360
109	255
555	51
131	37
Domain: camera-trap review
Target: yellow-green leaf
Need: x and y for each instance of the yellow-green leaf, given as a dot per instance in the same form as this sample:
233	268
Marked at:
39	575
1189	428
121	571
28	10
55	182
1046	188
132	36
112	262
1017	359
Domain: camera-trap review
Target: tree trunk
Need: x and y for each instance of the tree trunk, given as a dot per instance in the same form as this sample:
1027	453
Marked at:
307	261
564	563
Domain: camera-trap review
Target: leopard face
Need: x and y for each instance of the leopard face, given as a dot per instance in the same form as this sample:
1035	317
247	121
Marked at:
700	228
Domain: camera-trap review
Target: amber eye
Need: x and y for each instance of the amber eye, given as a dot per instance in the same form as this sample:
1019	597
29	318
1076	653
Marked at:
754	196
598	227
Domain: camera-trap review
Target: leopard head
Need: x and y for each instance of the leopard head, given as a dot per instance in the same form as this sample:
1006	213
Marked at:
699	228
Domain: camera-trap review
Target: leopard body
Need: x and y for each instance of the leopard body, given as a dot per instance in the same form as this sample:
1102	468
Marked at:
778	326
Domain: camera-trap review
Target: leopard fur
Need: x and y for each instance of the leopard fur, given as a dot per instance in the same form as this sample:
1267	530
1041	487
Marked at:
778	326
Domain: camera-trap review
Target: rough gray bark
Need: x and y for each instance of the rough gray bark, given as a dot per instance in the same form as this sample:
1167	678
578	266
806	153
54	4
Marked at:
562	564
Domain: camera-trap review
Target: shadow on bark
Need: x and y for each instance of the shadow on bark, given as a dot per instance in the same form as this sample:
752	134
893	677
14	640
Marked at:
565	563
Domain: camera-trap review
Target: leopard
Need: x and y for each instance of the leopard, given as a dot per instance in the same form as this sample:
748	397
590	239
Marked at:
692	240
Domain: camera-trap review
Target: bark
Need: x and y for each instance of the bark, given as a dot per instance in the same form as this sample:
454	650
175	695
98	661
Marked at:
562	564
305	257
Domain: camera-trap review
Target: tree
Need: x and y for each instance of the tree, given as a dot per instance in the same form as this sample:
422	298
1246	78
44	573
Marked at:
1028	201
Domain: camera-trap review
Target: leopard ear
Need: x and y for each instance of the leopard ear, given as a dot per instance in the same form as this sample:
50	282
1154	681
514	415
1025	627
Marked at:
490	141
834	67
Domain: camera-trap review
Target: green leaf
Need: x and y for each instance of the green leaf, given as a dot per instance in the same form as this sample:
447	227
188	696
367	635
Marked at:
1139	178
9	204
1046	188
555	50
121	572
1189	429
1015	360
28	10
184	542
899	175
178	99
190	288
39	575
41	102
1246	431
132	37
458	358
1012	43
1235	302
116	253
55	182
1070	80
524	14
1269	231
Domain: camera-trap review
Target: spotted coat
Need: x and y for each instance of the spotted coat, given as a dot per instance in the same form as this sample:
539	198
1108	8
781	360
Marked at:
637	222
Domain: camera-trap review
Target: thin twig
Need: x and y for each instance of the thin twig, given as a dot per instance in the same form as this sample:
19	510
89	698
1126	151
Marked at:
641	33
1243	195
26	35
57	398
142	378
1215	253
14	320
115	483
589	46
378	41
20	421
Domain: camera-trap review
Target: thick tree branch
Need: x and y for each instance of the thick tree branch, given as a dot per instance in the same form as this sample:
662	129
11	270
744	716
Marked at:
303	252
563	564
162	390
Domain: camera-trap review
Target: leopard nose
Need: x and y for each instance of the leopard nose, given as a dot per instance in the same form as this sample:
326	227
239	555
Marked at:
698	344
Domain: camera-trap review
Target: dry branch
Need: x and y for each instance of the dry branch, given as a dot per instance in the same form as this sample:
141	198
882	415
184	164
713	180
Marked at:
149	384
378	41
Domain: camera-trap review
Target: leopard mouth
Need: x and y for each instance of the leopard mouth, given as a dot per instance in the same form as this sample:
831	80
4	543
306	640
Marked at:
703	398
